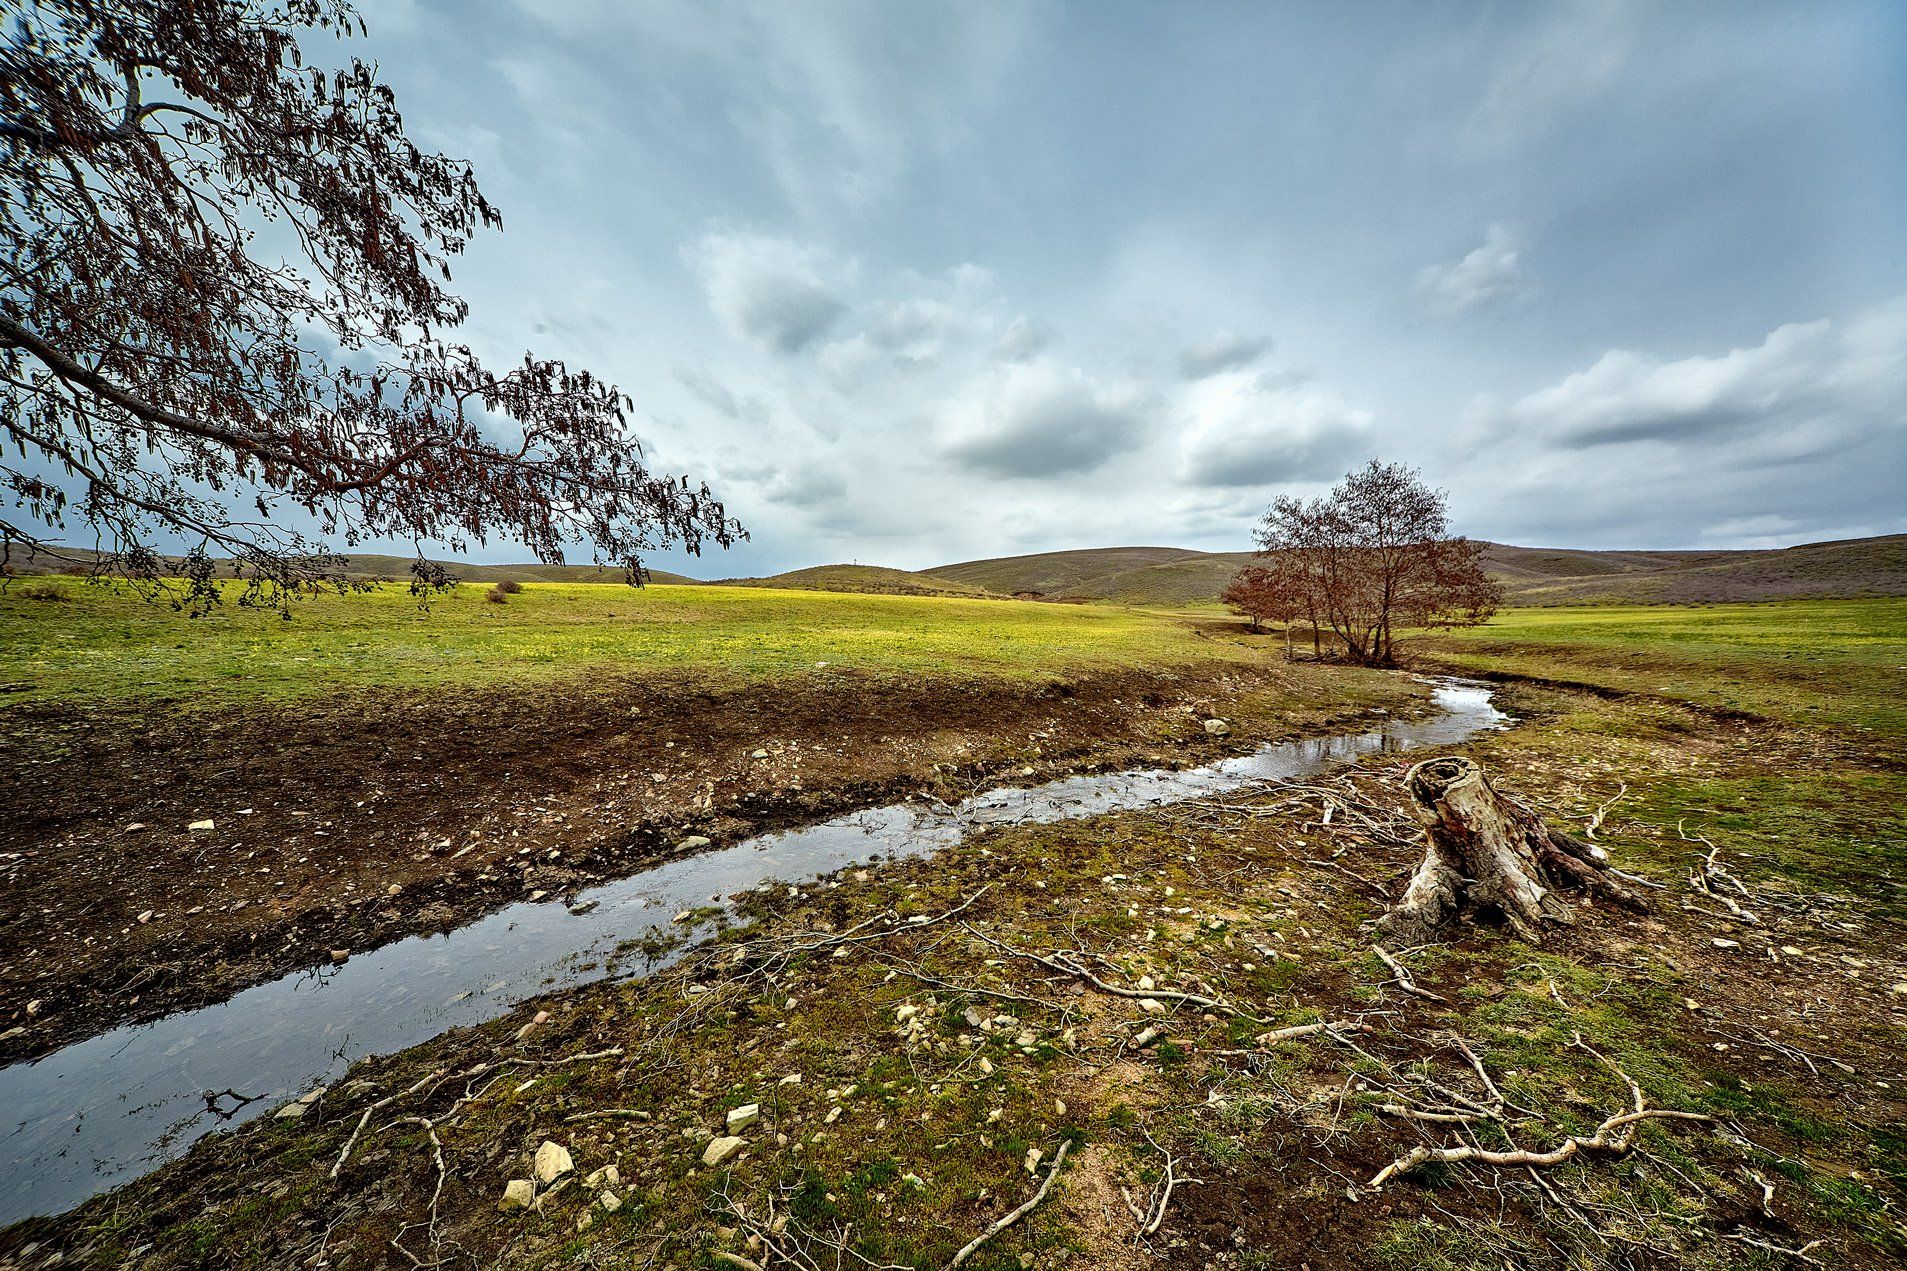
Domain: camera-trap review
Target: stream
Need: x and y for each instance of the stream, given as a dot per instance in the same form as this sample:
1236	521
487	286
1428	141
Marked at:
109	1109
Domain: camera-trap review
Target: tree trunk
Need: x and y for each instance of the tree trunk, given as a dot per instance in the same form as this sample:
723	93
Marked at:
1486	851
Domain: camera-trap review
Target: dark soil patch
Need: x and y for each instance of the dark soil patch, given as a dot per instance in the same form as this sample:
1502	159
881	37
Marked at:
345	824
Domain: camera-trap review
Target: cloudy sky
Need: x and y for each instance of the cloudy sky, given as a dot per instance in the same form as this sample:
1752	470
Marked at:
911	283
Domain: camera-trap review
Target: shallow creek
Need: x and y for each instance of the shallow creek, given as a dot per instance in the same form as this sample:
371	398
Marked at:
106	1110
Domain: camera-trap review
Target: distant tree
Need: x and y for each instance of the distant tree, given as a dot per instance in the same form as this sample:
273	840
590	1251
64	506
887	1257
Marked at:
223	297
1264	594
1374	556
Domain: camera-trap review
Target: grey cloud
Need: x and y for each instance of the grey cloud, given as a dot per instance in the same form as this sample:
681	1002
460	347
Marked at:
770	289
1023	339
1039	419
1226	351
1492	274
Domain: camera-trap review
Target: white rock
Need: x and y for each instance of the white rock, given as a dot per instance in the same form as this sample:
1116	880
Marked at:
759	754
1033	1157
722	1150
693	841
607	1176
1217	728
610	1202
741	1118
552	1162
518	1193
1152	1006
202	827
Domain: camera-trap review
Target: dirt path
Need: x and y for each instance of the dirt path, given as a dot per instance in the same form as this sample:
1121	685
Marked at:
346	824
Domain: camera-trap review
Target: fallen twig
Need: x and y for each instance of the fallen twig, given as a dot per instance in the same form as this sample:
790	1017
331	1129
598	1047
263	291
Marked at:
973	1246
1614	1137
1404	981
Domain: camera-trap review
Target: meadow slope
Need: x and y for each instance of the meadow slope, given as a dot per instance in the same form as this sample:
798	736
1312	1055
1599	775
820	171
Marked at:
882	1065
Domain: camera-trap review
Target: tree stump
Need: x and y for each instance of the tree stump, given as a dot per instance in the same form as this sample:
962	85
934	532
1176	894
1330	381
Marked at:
1486	851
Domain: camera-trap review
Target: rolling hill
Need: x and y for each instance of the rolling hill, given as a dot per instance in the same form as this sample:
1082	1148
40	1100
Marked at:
866	579
1530	575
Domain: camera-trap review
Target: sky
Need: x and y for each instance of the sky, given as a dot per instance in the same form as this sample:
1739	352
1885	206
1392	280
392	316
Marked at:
916	283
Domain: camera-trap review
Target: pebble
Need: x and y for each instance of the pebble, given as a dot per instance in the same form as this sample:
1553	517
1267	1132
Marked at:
722	1150
202	827
518	1193
694	842
552	1162
741	1118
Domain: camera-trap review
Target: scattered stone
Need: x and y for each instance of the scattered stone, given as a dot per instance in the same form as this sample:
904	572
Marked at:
1720	943
145	916
135	827
610	1202
694	842
202	827
1217	728
582	907
552	1162
293	1110
518	1193
1152	1006
759	754
537	895
1033	1158
720	1151
340	956
607	1176
741	1118
393	889
34	1007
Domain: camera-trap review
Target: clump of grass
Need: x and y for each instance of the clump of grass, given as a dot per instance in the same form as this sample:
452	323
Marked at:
45	592
498	596
509	587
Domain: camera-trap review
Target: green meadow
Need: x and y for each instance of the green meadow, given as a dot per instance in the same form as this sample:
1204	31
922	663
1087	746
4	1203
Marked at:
1822	662
63	639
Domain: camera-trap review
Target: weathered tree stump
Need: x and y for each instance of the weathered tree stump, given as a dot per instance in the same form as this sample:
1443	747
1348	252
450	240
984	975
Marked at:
1488	852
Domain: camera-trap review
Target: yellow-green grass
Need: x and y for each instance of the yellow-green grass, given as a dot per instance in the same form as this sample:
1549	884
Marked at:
1831	662
61	639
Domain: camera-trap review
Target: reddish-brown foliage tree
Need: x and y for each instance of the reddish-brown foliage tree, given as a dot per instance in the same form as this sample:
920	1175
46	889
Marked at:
223	299
1374	556
1254	593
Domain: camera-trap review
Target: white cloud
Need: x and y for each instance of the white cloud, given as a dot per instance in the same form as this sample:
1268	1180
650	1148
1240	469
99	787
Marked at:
1805	385
1042	419
779	292
1242	431
1491	274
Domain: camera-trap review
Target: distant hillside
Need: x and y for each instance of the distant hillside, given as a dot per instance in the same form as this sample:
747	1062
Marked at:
1811	571
869	579
1530	575
369	567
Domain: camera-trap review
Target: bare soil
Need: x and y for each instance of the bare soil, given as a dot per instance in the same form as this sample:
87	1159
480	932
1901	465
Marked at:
350	822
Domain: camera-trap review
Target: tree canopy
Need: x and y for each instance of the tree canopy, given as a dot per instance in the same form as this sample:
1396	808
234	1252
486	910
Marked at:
1374	556
224	318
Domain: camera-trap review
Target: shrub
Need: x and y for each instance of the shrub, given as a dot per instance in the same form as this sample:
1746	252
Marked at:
509	587
497	595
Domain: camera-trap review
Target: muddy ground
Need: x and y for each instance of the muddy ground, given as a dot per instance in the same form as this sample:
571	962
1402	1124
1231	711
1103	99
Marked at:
905	1066
345	823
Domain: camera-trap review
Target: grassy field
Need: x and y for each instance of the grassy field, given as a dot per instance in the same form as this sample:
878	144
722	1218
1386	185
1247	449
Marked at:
902	1082
61	639
1841	662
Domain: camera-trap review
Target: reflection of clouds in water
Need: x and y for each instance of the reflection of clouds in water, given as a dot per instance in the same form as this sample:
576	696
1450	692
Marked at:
104	1110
